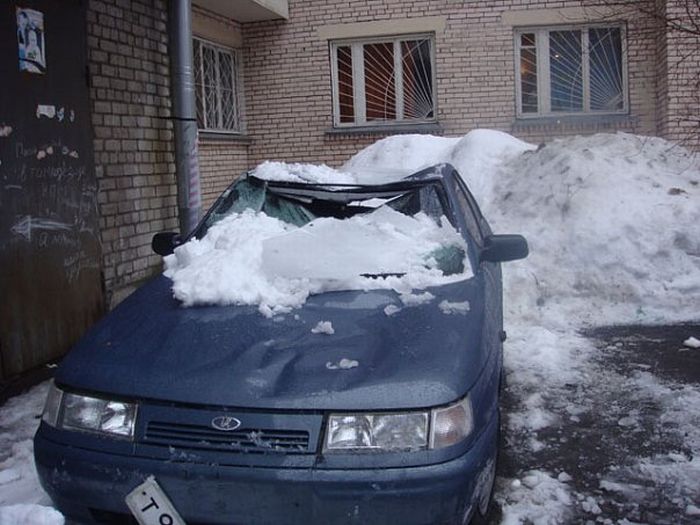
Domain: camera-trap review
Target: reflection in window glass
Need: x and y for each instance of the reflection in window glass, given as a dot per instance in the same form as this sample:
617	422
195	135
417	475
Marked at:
606	69
528	73
345	84
380	83
566	70
417	79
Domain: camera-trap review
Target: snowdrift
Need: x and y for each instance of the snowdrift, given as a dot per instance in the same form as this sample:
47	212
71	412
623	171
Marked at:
613	220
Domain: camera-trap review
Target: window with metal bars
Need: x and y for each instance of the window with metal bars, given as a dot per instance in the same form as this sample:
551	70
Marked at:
217	87
383	81
571	71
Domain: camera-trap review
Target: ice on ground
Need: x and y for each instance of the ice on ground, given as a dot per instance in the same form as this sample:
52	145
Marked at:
538	498
564	477
323	327
251	258
692	342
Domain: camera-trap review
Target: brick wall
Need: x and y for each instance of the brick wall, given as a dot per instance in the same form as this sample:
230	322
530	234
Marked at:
129	74
288	82
681	119
221	158
661	71
220	163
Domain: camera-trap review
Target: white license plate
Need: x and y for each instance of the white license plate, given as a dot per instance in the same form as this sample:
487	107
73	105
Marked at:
150	506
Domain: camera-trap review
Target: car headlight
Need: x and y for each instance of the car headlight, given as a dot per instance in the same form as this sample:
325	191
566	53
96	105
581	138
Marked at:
399	431
451	424
406	431
89	414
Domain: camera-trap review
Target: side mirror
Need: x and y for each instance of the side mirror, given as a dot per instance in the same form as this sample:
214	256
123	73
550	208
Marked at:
501	248
164	243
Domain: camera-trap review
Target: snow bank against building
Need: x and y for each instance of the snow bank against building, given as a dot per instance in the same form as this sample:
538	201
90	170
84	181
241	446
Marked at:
613	220
613	223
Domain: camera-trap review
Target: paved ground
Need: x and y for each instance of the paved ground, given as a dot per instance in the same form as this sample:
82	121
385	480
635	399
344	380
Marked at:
624	421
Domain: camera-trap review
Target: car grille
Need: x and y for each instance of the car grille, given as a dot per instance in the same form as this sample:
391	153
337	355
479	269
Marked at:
241	440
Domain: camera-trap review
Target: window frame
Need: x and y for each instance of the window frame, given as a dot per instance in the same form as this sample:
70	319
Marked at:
236	76
543	70
358	75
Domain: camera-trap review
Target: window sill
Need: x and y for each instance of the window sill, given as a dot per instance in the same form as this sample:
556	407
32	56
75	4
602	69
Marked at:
574	122
388	129
216	136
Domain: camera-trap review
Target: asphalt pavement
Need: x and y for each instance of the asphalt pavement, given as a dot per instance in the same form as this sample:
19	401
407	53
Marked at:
601	447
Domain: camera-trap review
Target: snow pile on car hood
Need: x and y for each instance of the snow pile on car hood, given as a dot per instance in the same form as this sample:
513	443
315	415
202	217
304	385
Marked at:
251	258
611	219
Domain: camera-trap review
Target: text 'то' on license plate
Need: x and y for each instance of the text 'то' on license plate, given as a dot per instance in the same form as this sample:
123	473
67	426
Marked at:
150	505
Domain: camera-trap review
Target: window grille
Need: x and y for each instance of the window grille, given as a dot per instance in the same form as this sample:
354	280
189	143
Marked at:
386	80
217	87
572	70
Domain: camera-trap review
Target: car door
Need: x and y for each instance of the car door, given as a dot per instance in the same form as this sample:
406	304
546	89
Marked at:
479	229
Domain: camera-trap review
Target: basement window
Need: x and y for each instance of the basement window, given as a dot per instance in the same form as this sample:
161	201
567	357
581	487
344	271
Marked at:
383	81
217	87
580	70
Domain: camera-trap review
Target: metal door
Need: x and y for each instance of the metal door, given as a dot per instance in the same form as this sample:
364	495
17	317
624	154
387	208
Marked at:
50	256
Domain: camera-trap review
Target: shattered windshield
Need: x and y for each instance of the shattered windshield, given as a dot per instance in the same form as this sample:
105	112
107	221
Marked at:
274	243
300	204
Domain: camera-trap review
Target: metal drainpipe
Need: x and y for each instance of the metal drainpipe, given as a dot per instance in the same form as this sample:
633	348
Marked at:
184	115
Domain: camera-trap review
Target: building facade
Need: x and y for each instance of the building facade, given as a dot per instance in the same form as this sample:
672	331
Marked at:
317	80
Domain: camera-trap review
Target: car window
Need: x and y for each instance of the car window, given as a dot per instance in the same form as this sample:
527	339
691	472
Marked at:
468	212
246	194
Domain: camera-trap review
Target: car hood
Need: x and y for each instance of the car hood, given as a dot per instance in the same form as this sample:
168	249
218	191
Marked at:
151	347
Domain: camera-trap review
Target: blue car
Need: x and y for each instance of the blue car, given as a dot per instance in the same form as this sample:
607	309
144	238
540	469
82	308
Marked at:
221	415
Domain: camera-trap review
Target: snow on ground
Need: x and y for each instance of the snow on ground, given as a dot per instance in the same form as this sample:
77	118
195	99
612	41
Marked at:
612	223
22	500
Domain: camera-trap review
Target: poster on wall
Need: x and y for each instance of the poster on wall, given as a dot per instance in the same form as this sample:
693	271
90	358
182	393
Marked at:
30	41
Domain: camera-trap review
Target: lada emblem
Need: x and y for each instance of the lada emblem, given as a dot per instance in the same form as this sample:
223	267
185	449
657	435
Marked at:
225	423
